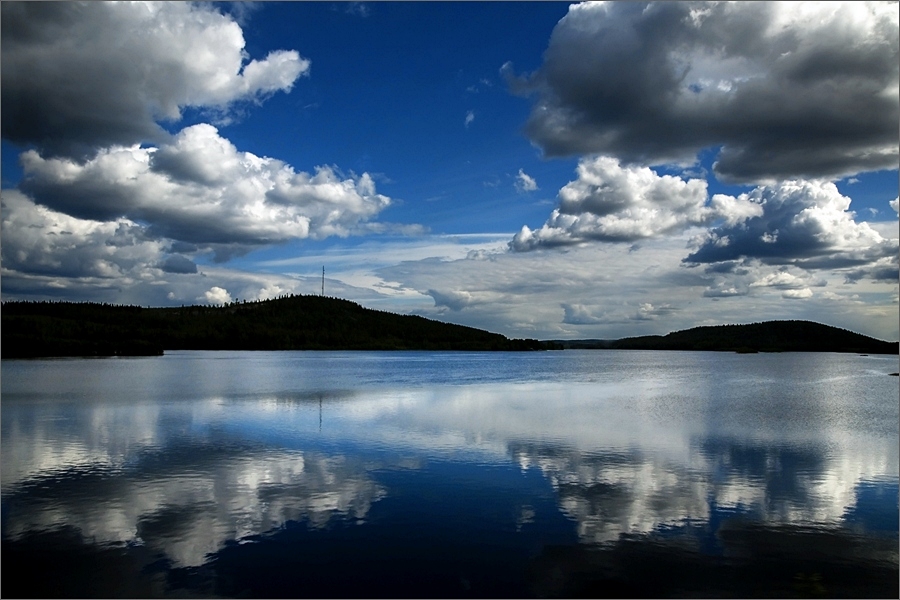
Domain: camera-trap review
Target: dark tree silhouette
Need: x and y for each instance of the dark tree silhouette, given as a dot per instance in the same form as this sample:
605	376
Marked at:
33	329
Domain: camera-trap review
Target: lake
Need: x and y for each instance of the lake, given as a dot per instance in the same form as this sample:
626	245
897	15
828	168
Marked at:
451	474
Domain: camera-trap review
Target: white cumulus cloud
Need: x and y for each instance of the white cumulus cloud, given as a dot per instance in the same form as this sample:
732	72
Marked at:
804	223
201	189
611	202
801	294
784	89
81	76
217	295
55	247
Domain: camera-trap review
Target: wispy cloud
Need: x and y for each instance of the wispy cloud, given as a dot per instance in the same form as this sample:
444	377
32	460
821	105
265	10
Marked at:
359	9
525	182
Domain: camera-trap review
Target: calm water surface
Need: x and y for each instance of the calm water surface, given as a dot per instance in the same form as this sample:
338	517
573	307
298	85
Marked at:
375	474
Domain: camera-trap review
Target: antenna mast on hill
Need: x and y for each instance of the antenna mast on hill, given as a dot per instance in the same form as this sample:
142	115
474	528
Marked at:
323	280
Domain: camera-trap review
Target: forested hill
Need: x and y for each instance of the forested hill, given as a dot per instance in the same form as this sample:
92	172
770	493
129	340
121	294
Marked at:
771	336
32	329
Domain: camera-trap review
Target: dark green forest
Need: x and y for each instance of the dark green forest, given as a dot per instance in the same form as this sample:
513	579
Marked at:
43	329
770	336
36	329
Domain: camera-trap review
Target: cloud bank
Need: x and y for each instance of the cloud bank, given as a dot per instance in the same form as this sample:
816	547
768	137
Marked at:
81	76
121	202
109	198
201	189
788	97
780	90
614	203
808	224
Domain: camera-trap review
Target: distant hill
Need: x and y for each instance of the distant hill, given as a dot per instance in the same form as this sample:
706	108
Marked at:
771	336
35	329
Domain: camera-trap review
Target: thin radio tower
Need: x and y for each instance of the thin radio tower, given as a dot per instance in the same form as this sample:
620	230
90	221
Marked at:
323	280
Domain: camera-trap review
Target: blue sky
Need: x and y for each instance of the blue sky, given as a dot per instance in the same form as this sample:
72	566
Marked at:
536	169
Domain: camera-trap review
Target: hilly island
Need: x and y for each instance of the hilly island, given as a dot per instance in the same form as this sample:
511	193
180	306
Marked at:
47	329
770	336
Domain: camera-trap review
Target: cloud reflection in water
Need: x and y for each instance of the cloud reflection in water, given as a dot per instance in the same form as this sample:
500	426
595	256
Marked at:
619	461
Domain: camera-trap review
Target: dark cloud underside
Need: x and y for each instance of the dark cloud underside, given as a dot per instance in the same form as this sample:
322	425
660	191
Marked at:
784	91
